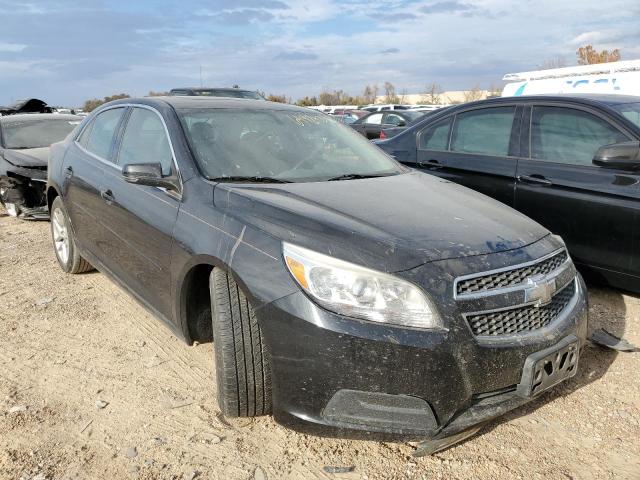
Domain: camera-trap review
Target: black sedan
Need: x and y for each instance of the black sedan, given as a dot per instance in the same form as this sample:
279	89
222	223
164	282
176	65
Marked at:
346	294
372	124
24	152
570	162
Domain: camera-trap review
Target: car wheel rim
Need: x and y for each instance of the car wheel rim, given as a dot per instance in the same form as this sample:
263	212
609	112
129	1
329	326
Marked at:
60	235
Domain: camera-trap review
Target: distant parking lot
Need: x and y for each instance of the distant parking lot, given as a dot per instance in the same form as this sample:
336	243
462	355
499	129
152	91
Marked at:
91	386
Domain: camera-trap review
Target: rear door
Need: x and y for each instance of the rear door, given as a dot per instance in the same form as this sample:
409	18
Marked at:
140	218
594	209
83	169
477	148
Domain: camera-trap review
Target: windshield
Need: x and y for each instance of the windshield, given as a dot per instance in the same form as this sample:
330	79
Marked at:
287	145
39	133
629	110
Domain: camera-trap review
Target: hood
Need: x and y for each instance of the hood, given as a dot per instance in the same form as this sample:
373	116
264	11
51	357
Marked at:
390	223
28	157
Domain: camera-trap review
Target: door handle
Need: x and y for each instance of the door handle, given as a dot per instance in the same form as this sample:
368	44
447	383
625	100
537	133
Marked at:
107	196
534	179
68	172
432	164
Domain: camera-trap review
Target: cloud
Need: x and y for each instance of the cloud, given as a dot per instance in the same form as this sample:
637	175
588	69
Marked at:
394	17
389	51
449	6
295	56
11	47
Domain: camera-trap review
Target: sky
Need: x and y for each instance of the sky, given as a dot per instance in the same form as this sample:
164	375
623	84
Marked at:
68	51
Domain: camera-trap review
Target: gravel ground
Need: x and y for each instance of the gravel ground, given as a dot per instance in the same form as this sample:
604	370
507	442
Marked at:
92	386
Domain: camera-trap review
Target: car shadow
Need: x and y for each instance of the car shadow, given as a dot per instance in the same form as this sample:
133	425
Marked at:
607	310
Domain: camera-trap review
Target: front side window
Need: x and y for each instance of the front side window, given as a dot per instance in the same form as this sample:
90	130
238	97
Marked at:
287	145
396	120
436	137
375	119
485	132
567	135
629	110
145	141
103	132
36	133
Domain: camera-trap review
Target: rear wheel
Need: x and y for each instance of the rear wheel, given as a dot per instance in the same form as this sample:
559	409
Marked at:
243	372
64	242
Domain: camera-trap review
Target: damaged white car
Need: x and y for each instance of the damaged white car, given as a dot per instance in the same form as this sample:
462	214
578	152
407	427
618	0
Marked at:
24	154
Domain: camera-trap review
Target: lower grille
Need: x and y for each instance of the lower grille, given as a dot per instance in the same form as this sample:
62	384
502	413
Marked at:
521	319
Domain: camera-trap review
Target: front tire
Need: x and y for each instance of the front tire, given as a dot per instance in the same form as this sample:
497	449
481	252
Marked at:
64	243
243	371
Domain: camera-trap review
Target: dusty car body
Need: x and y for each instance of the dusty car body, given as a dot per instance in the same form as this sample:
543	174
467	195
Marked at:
24	154
344	293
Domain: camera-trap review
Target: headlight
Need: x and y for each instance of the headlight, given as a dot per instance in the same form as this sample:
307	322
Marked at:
355	291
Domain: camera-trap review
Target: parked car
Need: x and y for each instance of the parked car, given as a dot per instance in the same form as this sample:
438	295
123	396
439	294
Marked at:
384	107
372	124
24	152
386	133
216	92
569	162
346	294
349	116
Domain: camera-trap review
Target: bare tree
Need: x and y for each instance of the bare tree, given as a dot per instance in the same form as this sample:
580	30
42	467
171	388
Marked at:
153	93
587	55
390	93
94	103
432	94
474	94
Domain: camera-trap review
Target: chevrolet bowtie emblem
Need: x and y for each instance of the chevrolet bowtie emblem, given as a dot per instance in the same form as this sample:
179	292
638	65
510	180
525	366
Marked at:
540	290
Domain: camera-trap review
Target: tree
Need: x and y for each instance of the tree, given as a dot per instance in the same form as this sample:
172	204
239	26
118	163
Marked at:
390	93
307	102
555	62
157	94
474	94
587	55
369	94
277	98
94	103
432	94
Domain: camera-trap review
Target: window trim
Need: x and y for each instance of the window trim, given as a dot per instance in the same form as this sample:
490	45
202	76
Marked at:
601	114
482	107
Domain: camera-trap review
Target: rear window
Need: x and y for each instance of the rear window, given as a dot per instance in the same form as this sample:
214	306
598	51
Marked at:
36	133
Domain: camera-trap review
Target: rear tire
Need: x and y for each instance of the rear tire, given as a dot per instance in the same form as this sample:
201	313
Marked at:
64	242
243	371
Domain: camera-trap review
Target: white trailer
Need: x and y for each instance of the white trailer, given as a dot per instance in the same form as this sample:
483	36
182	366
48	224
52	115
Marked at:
622	78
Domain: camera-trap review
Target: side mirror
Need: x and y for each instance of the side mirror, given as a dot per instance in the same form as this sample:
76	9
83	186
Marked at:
149	174
622	156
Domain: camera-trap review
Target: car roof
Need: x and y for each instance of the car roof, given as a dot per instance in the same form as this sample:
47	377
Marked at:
39	116
187	103
219	89
593	98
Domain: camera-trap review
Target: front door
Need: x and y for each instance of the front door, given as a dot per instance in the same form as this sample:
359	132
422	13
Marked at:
141	218
596	210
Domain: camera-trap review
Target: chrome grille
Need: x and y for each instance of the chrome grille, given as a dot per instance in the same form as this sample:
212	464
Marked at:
510	278
521	319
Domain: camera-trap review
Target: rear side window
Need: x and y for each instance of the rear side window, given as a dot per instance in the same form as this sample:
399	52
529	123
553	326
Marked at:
567	135
145	141
393	119
436	137
486	132
103	131
375	119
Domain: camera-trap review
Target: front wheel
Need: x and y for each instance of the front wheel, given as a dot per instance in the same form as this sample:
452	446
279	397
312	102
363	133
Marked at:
243	371
64	242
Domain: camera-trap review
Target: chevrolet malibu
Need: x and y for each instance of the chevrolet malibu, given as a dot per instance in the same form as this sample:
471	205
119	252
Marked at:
345	294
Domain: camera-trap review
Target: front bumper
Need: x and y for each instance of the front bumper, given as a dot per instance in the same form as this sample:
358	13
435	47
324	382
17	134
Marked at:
334	376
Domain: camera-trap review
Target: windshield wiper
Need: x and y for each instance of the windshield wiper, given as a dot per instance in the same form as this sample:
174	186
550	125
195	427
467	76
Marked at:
249	179
356	176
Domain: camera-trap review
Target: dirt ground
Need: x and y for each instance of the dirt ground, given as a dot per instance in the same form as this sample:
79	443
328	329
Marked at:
92	386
